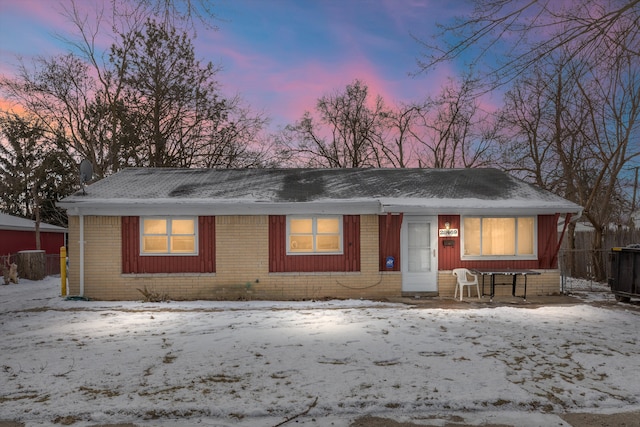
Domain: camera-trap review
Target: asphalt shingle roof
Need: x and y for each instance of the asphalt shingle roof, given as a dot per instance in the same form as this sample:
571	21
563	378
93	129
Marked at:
406	187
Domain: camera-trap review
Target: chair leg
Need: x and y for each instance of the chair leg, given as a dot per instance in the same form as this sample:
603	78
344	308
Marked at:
478	289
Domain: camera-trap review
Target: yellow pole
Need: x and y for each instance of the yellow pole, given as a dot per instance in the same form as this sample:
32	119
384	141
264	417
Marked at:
63	269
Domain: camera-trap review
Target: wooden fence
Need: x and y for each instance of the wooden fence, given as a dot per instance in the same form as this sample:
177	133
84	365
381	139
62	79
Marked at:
52	260
584	262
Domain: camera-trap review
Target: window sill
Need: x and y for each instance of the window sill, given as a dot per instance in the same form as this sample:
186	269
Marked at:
313	253
135	275
499	258
316	273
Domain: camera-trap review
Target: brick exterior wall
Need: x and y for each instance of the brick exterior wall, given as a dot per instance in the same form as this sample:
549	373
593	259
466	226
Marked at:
242	268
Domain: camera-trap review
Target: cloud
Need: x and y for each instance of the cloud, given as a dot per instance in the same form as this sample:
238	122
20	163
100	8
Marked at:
286	92
281	58
285	85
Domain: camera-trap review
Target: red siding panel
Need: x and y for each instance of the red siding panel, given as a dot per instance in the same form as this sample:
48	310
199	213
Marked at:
449	256
547	240
13	241
133	262
389	240
280	262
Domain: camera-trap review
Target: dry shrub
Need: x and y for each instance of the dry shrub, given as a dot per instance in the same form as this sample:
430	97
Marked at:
152	295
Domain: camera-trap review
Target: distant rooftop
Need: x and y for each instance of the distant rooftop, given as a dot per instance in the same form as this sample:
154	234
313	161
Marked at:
10	222
259	191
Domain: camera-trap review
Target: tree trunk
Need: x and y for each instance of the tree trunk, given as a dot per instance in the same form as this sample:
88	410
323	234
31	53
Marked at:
32	265
36	209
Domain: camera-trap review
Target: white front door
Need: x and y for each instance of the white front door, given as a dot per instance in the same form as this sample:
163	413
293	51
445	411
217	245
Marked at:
418	254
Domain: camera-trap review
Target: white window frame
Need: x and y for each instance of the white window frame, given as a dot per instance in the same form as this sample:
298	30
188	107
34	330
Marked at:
169	220
534	256
314	219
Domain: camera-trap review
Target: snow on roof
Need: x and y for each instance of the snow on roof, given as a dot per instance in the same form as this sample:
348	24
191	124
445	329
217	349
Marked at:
10	222
229	191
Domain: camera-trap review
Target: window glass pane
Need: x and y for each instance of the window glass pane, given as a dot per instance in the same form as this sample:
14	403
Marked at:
328	243
183	244
154	244
166	236
418	235
183	226
419	261
472	236
301	226
328	226
526	235
155	226
301	243
498	236
419	247
314	234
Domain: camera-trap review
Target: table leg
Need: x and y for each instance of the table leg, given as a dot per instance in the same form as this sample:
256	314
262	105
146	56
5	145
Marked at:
513	285
525	287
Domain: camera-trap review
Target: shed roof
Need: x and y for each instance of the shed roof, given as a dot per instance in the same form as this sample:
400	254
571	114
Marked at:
10	222
265	191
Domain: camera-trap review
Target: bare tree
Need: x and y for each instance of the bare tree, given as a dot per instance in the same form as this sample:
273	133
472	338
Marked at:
179	13
525	32
612	95
452	130
572	128
238	142
58	92
145	101
398	143
538	126
345	135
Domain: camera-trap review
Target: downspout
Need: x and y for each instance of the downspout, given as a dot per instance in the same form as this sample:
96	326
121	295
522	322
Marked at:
81	255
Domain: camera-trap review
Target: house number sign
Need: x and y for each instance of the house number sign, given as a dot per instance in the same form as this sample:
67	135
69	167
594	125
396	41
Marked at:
448	232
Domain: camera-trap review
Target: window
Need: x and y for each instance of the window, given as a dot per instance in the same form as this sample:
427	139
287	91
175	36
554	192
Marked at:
499	237
168	236
314	235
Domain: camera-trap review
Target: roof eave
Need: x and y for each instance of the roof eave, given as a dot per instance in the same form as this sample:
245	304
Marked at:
351	206
216	208
494	207
33	229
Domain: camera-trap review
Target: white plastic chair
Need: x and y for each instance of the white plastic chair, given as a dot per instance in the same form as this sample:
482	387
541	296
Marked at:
462	280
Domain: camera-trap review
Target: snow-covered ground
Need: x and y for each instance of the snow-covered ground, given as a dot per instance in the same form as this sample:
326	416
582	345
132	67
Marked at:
252	364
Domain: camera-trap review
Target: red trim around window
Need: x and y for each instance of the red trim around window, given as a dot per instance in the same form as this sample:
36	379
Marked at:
280	262
449	256
133	263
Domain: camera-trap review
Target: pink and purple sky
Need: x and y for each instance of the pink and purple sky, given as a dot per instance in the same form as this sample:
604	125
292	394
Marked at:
280	56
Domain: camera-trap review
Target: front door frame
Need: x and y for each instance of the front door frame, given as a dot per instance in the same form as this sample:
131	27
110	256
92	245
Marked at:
423	282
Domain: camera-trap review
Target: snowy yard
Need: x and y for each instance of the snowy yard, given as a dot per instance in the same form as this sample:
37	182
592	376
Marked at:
261	363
